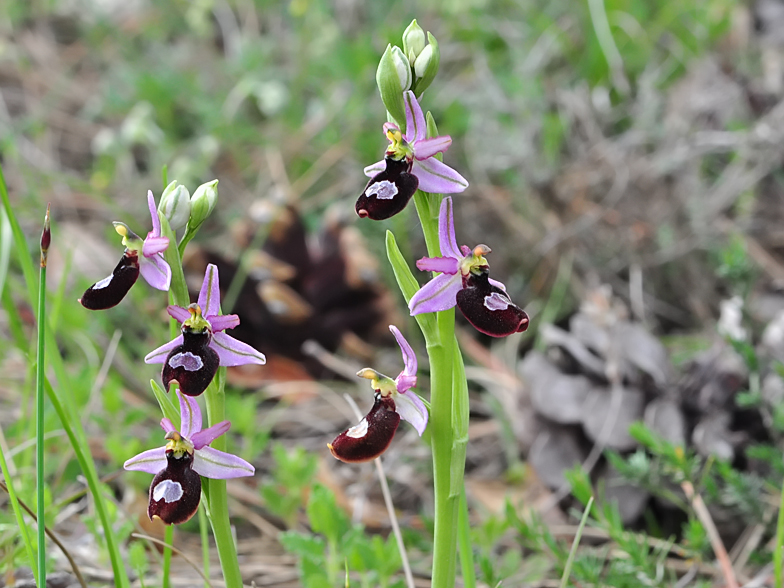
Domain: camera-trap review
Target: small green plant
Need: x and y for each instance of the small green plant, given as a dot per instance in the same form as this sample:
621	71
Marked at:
292	478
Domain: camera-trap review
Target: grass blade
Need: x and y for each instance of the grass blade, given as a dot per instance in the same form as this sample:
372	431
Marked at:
40	363
575	544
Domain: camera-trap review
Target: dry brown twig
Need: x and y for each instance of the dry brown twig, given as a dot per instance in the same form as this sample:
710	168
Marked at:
713	534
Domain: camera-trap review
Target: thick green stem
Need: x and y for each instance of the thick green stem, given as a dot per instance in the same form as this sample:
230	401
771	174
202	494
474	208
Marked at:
464	540
205	543
218	496
448	417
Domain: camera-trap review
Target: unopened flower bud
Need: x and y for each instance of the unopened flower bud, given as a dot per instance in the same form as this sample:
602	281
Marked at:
426	66
393	77
175	205
413	41
203	203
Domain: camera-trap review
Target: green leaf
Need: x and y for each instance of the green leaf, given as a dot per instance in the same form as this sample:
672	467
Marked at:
409	286
325	515
165	402
460	411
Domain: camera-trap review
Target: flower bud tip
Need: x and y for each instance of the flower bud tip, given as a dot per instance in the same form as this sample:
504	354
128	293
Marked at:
46	236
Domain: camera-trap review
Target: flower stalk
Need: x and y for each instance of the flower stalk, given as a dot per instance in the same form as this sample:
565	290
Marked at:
40	480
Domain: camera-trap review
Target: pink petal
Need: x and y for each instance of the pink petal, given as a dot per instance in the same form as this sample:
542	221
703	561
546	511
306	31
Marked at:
207	436
223	322
218	465
178	312
429	147
159	355
446	231
153	245
388	126
497	284
438	294
156	271
233	352
438	178
209	296
375	169
156	222
190	416
445	265
409	357
151	461
167	425
411	408
416	127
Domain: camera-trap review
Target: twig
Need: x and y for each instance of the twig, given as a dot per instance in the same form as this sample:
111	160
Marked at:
54	539
189	561
713	534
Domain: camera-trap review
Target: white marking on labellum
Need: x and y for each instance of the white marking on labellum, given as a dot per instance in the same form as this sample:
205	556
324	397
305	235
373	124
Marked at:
358	431
188	360
103	283
496	301
383	190
168	490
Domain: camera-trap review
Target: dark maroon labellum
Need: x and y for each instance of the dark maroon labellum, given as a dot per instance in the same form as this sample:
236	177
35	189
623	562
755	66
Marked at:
175	491
371	437
488	308
193	364
388	192
111	290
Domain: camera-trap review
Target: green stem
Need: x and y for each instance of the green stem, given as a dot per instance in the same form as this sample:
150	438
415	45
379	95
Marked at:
778	554
448	416
442	435
218	497
168	541
205	542
464	543
40	477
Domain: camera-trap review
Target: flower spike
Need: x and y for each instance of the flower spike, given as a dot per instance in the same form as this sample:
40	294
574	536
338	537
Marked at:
143	257
464	281
178	466
192	358
394	400
409	163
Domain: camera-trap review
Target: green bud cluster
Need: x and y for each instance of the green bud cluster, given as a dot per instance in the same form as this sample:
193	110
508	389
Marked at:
414	67
181	209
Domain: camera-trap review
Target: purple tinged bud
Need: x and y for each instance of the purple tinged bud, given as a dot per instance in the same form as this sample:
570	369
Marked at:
46	237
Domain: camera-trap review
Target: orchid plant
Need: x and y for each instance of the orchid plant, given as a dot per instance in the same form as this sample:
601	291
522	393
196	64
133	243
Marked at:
194	361
412	167
179	465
